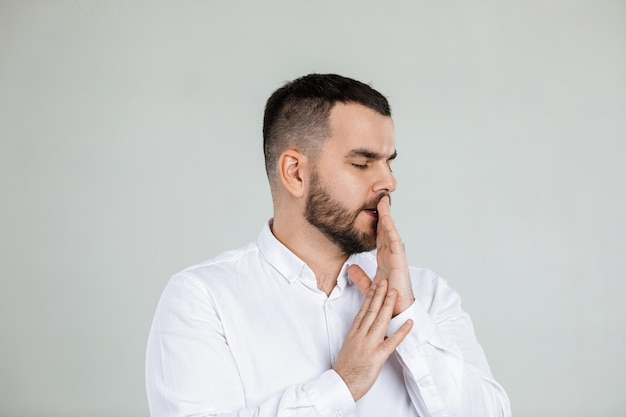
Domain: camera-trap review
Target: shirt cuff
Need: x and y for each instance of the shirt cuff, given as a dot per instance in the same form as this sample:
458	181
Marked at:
423	325
329	395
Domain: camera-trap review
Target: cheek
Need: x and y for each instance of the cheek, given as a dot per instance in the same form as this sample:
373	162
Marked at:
349	191
345	184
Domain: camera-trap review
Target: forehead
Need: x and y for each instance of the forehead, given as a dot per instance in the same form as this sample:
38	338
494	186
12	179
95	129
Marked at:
354	126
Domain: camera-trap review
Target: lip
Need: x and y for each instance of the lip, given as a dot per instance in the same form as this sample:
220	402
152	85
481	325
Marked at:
372	212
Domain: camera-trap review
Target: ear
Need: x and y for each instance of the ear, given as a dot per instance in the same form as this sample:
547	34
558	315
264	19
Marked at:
291	169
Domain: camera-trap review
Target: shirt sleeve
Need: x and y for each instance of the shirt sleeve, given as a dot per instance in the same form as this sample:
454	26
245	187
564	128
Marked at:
191	372
445	369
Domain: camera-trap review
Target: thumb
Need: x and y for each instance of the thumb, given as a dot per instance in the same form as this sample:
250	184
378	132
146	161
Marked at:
360	278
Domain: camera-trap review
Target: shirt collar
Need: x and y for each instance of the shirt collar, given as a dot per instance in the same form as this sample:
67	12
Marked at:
289	265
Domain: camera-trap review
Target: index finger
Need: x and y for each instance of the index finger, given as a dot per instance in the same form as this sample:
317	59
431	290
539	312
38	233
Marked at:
387	234
384	206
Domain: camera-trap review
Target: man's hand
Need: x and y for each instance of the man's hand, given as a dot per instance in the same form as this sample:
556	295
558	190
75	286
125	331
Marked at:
366	349
391	258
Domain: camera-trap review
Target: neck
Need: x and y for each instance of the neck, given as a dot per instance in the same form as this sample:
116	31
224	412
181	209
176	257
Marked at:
309	244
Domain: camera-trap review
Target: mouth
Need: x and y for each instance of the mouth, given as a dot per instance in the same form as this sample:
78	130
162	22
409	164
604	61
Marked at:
372	212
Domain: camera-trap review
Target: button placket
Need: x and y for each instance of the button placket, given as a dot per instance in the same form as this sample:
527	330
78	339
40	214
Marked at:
331	329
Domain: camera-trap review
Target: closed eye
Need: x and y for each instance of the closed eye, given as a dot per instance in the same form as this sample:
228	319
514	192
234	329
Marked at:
367	156
360	166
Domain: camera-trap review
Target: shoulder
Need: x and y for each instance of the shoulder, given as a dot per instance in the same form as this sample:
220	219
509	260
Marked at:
425	277
227	265
433	291
196	290
422	277
429	288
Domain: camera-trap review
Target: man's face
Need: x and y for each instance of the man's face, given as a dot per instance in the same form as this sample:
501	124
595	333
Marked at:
350	176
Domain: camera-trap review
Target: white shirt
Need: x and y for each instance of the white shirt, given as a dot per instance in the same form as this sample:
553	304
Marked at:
250	334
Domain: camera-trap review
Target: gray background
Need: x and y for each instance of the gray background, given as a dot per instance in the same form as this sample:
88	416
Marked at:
130	147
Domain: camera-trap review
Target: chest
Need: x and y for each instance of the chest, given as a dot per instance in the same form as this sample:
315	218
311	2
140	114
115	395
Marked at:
291	335
287	336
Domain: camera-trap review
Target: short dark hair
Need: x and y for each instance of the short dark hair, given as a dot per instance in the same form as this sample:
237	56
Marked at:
296	115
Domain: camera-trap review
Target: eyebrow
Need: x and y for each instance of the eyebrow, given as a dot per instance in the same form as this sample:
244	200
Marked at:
365	153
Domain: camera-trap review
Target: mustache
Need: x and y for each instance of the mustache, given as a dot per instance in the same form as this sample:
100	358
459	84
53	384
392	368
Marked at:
373	203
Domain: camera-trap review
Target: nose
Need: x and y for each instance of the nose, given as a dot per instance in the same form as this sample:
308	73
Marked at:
386	181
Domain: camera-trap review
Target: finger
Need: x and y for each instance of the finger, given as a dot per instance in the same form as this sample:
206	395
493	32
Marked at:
385	222
369	295
387	233
385	312
384	209
373	310
384	206
360	278
391	343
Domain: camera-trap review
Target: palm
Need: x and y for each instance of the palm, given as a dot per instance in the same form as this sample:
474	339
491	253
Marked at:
391	259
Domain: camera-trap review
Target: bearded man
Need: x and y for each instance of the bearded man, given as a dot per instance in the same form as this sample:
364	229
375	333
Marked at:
305	321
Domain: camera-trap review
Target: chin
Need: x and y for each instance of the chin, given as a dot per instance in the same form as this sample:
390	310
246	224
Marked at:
368	240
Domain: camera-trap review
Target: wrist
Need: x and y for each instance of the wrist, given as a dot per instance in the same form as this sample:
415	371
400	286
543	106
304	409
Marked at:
402	305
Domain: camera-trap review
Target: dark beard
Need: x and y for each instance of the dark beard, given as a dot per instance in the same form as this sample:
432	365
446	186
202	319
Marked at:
337	222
